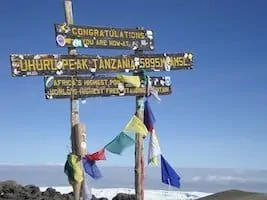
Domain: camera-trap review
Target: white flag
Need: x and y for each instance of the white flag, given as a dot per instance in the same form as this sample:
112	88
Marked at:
153	149
154	92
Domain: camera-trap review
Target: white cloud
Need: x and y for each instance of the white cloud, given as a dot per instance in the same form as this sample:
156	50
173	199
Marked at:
24	164
218	179
196	178
214	178
12	164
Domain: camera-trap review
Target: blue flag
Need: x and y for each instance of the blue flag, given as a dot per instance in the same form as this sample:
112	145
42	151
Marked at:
91	168
119	143
149	119
168	174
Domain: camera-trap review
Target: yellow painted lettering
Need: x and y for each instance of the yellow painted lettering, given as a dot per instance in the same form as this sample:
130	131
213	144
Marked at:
121	34
72	64
80	31
56	82
162	61
88	42
101	33
152	62
141	35
74	31
147	62
31	65
101	42
107	63
132	64
84	64
79	64
47	64
113	82
65	63
113	62
96	32
126	33
119	64
101	64
126	63
95	62
23	66
142	62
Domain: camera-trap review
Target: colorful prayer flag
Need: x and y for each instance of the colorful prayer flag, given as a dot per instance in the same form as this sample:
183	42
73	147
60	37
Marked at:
149	119
72	169
135	125
99	155
168	174
133	80
153	92
86	191
119	143
153	149
91	168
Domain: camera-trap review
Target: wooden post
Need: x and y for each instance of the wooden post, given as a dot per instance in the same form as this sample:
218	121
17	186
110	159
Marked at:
74	103
80	139
139	148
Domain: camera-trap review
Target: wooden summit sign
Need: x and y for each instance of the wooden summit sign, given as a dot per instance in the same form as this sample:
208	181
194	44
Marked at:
53	64
83	87
103	37
63	73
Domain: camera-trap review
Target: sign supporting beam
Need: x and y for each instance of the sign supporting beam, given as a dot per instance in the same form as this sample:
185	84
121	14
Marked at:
103	37
85	87
54	64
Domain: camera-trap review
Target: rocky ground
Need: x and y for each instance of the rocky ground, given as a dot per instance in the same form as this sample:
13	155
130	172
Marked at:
235	195
10	190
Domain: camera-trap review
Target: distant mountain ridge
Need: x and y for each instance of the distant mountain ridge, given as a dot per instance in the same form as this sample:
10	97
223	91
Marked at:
193	179
235	195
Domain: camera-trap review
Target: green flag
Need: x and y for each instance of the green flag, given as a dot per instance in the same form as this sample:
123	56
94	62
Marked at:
119	143
72	169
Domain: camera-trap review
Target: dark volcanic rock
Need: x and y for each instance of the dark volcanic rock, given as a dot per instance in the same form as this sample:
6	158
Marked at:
10	190
101	198
30	192
122	196
51	193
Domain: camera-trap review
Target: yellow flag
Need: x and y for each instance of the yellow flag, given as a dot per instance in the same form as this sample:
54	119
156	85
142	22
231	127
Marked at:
133	80
135	125
73	169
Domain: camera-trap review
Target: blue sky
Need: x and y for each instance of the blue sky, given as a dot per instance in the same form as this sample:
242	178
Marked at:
215	117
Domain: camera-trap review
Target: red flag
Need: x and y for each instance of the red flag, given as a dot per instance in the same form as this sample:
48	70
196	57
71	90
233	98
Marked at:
100	155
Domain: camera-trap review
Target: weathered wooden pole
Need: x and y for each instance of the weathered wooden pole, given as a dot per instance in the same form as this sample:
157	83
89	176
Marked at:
74	103
80	143
80	139
139	147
